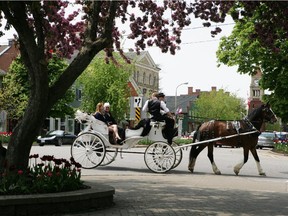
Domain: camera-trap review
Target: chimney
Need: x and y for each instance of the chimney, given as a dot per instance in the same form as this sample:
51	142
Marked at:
190	90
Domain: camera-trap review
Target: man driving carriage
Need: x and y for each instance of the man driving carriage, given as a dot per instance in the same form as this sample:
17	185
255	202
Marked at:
158	110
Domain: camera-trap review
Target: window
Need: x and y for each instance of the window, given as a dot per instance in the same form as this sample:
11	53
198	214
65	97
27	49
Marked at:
144	78
137	76
154	80
256	93
78	94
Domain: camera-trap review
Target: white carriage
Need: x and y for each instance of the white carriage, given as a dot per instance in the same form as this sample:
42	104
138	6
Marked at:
92	147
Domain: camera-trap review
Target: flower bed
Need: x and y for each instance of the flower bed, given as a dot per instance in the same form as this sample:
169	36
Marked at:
5	137
49	176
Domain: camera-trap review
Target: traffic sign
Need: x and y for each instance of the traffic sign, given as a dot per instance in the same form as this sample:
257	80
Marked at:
138	102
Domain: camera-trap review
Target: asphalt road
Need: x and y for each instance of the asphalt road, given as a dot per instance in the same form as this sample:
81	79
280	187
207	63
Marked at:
179	192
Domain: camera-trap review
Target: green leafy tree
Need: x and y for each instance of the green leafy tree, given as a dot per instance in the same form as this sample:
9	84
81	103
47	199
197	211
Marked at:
102	82
258	41
15	93
239	49
218	105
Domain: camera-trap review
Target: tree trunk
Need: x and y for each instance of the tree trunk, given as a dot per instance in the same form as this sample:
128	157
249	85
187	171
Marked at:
25	132
23	136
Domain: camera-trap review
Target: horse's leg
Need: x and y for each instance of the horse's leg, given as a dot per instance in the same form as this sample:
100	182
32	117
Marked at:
211	158
241	164
257	160
194	152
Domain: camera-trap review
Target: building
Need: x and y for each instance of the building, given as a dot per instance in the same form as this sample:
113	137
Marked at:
256	93
145	78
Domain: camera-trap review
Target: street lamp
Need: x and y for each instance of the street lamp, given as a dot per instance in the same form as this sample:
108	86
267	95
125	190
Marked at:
186	83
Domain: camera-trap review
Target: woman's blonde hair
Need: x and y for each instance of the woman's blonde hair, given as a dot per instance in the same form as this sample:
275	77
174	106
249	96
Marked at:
98	107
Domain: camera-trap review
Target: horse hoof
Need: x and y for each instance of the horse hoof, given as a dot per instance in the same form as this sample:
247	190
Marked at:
262	174
191	170
218	173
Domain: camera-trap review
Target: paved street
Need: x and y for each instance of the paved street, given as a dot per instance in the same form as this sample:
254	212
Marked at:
141	192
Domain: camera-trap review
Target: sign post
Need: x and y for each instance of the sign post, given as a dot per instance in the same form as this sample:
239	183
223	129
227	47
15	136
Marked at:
137	106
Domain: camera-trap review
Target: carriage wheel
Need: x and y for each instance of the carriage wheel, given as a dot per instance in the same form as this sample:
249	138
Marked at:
89	150
179	154
110	156
159	157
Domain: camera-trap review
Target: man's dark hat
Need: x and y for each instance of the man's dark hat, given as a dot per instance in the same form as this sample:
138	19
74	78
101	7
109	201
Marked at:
161	95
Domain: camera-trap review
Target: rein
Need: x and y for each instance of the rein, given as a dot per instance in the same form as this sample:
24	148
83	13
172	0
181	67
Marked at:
218	138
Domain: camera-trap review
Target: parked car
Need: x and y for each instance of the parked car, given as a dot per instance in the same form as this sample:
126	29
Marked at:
266	139
56	137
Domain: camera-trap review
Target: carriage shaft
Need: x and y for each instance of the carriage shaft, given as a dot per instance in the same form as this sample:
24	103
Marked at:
218	138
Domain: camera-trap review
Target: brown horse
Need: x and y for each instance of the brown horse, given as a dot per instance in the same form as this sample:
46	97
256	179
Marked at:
219	128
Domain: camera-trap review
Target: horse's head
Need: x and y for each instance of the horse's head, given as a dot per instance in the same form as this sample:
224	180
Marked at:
268	114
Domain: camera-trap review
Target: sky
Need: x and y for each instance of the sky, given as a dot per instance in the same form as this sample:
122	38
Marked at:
195	63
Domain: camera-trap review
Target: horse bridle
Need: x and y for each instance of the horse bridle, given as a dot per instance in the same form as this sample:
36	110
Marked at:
268	114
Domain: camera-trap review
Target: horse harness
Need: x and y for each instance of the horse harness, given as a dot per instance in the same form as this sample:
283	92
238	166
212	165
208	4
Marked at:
231	126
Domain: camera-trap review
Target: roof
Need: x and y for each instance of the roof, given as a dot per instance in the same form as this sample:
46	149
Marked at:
143	57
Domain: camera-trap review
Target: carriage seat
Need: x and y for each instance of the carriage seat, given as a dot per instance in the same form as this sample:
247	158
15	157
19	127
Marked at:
91	122
99	126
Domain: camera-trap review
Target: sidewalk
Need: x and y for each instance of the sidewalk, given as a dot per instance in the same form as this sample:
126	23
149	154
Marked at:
197	194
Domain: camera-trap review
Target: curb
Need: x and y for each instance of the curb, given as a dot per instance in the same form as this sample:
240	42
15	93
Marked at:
99	196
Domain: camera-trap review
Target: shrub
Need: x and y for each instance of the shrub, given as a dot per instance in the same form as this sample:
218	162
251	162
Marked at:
281	147
49	176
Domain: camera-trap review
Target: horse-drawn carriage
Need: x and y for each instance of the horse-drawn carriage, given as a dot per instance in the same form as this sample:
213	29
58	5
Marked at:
93	148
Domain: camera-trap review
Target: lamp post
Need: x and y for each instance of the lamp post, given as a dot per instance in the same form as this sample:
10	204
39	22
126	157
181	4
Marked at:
179	119
186	83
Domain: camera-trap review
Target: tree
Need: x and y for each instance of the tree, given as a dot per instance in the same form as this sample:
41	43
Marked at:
218	105
103	82
258	41
240	49
42	27
14	95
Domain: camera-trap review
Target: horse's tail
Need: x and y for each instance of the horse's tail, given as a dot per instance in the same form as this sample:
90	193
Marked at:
196	136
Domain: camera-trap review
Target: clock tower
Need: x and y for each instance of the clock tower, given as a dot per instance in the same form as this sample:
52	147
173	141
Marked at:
256	92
